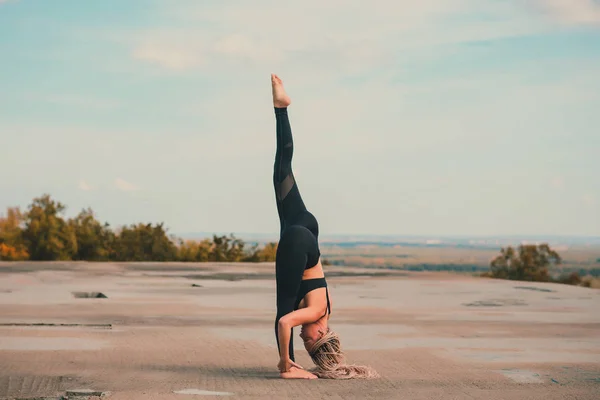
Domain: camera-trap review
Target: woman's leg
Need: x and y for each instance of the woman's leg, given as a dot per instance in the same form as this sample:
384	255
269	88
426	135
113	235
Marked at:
290	263
291	254
289	201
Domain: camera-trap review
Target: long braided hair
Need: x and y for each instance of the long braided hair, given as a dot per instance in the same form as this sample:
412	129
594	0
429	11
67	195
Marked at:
329	358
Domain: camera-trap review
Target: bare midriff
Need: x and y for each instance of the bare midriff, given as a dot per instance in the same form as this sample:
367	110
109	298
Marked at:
314	272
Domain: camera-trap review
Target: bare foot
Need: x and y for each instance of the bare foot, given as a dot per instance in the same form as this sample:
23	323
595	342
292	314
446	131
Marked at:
296	373
280	97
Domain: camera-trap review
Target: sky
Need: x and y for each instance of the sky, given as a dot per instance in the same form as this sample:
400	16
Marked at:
436	117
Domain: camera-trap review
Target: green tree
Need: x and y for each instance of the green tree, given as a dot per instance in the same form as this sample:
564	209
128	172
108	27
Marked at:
528	263
47	235
264	254
191	250
12	245
227	248
42	233
144	242
268	252
94	240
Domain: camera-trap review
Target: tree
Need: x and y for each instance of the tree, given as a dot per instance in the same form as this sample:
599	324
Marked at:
191	250
12	245
224	248
42	233
144	242
47	235
94	240
266	254
530	263
227	248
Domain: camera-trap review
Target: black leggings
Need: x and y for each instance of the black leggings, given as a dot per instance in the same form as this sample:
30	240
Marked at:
298	247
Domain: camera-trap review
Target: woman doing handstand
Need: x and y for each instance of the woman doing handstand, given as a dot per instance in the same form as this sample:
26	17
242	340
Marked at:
302	293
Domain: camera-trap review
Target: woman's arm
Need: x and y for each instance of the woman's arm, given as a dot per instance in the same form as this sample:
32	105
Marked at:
295	318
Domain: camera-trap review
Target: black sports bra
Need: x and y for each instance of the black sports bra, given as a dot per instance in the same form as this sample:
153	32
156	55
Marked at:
309	285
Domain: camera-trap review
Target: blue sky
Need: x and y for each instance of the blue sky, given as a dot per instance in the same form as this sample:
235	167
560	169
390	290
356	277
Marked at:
454	117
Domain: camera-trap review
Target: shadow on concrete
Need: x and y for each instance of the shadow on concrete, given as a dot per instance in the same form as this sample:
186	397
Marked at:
89	295
219	372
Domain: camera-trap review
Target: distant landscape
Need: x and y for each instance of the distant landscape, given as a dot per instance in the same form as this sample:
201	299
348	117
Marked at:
495	242
42	232
459	254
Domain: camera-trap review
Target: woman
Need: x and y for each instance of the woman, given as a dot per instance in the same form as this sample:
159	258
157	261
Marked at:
302	293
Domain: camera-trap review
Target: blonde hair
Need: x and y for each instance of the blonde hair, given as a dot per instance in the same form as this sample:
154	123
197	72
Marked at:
329	358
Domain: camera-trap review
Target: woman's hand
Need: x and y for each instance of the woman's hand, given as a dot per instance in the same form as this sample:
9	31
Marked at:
285	365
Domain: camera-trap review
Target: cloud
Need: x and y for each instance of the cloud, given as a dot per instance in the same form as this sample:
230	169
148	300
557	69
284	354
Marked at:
179	50
83	101
588	200
558	182
125	186
316	36
318	33
83	185
74	100
572	12
169	53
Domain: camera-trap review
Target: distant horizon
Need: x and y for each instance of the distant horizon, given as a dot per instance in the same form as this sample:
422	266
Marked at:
396	237
404	235
71	213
